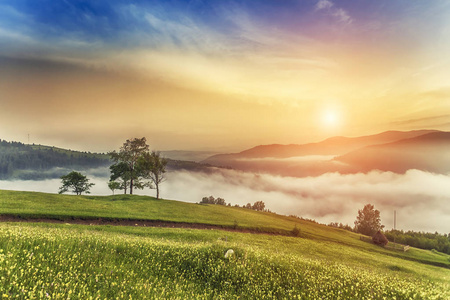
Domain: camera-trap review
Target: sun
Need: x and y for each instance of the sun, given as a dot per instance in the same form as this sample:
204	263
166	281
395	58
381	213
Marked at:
330	118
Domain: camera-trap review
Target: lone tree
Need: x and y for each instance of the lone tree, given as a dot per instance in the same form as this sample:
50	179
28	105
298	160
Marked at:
152	166
76	182
128	155
368	221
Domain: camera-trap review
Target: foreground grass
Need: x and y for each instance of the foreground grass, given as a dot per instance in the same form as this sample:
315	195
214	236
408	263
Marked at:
58	261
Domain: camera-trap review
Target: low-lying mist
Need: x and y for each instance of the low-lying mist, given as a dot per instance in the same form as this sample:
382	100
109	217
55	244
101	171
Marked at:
420	198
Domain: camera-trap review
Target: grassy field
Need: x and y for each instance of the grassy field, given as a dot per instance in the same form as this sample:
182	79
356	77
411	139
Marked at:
60	261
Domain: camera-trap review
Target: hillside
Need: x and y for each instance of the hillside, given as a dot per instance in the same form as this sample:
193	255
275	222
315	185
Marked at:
345	155
60	260
21	161
138	209
36	162
427	152
330	146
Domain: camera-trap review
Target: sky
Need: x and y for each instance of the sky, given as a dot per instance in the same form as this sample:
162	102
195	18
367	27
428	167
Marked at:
220	75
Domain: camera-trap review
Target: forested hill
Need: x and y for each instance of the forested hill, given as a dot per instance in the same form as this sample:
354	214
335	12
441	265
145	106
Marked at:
21	161
35	162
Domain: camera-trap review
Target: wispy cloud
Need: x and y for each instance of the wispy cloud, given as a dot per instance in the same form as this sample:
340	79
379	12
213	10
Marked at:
331	9
324	4
342	15
440	122
432	119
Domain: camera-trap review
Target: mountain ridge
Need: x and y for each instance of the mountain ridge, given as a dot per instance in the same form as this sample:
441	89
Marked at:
427	152
344	155
330	144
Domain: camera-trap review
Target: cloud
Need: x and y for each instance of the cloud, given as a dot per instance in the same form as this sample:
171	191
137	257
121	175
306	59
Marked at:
323	4
96	176
342	16
424	122
420	198
329	8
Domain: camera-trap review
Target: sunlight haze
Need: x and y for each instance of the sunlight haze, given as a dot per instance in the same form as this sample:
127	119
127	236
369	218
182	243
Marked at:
220	74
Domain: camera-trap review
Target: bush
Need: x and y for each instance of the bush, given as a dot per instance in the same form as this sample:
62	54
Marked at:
212	200
295	231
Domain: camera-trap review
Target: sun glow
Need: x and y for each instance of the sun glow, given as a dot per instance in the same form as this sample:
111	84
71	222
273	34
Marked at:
330	118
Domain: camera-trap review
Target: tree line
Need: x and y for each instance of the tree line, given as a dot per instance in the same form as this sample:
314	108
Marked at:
368	222
258	205
423	240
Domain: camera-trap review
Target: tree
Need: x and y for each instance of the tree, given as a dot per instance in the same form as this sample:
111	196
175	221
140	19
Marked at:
113	185
259	206
212	200
129	154
120	171
220	201
368	221
152	166
208	200
75	181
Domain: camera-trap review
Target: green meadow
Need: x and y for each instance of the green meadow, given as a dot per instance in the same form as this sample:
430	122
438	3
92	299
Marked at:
68	261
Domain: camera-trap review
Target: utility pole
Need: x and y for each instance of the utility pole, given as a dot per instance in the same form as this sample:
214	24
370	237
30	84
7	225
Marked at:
395	219
395	223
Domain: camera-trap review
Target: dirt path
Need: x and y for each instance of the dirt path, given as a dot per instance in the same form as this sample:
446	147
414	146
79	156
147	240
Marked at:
134	223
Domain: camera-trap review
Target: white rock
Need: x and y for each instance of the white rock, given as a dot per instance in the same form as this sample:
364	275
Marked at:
229	253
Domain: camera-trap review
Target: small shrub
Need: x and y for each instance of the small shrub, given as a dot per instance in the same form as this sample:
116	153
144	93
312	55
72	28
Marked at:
295	231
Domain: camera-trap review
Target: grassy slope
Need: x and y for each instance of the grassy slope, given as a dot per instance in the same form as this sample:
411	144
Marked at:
59	260
99	262
32	204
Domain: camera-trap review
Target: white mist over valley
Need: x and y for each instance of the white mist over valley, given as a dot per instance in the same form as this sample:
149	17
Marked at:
420	198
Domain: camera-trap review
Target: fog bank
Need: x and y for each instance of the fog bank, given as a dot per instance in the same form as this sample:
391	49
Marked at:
421	199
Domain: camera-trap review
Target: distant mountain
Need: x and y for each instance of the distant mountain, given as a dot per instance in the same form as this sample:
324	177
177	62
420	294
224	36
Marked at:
341	154
395	151
429	152
331	146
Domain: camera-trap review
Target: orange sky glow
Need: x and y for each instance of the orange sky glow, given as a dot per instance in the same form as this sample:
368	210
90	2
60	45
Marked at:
224	76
